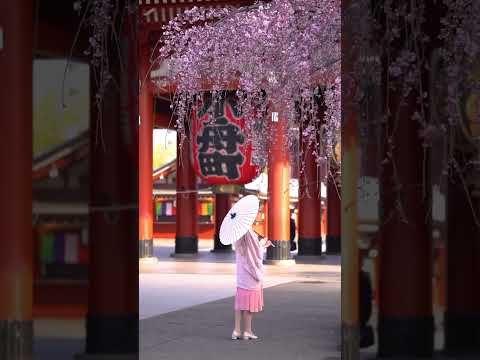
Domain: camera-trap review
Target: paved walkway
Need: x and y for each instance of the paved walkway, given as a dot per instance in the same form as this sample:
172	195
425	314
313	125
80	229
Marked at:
186	309
300	322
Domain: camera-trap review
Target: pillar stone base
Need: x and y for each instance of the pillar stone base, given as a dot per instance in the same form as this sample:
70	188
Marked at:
350	341
462	333
16	340
309	246
112	334
334	244
405	336
145	248
186	245
218	247
281	251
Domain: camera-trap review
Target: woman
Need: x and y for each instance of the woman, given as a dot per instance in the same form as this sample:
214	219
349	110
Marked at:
249	296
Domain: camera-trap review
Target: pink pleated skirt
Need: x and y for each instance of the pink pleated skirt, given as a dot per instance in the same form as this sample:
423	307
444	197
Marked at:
249	300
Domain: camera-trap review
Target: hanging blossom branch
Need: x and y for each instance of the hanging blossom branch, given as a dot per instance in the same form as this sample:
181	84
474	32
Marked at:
104	21
461	36
278	55
399	37
406	42
459	52
460	58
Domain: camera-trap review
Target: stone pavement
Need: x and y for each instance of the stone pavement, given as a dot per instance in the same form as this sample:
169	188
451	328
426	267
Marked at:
186	309
300	321
186	304
176	283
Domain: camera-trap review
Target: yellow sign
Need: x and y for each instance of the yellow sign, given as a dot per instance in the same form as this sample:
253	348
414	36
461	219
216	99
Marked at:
164	147
56	118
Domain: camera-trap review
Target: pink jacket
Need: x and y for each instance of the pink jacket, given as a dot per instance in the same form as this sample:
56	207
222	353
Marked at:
249	258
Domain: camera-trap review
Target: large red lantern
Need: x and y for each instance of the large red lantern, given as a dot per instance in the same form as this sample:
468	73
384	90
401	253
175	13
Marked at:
221	154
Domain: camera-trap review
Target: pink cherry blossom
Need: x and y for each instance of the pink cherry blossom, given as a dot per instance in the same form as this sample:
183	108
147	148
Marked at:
282	55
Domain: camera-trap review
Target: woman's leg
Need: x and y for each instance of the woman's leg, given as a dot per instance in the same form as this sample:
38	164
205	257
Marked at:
238	318
248	321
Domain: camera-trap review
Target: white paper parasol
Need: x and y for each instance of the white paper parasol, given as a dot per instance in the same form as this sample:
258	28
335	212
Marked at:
239	219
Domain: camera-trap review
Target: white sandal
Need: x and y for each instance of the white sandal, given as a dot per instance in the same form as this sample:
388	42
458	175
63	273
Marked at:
249	336
235	335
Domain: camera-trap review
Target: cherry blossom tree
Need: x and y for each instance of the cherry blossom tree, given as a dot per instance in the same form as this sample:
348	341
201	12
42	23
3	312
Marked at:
282	56
104	20
288	50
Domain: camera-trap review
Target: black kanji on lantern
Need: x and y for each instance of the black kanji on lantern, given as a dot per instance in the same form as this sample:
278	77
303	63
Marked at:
218	142
220	104
221	135
217	164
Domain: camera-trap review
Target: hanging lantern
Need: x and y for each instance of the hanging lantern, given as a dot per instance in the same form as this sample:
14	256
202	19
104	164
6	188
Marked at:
221	154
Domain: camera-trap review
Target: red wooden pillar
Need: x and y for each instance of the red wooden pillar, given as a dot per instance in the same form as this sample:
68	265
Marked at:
309	204
334	220
324	220
278	193
145	184
112	318
223	203
16	260
186	239
405	311
462	316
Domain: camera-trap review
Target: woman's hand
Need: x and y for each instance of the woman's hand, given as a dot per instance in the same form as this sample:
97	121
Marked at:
260	237
266	243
